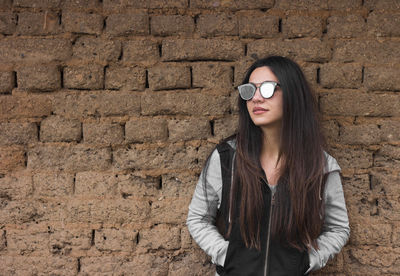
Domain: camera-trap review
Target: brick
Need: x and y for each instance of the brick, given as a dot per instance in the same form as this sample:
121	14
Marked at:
133	186
59	129
135	265
19	212
365	134
383	24
232	4
344	4
185	103
301	26
368	104
34	49
382	78
301	5
166	25
5	4
387	156
241	68
24	265
113	212
186	239
115	240
16	186
82	105
160	237
389	207
390	131
95	184
125	78
169	77
201	49
103	133
21	106
48	4
78	5
128	23
53	184
258	25
42	77
382	5
146	130
122	5
7	82
357	158
331	130
368	51
84	77
382	182
42	23
170	211
345	26
69	241
181	130
192	261
157	4
82	23
140	51
3	240
88	48
212	75
370	232
313	50
226	126
8	22
181	185
171	157
11	158
220	24
336	75
396	235
18	133
27	241
69	158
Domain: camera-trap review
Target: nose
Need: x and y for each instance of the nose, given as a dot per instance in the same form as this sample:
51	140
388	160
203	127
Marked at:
257	95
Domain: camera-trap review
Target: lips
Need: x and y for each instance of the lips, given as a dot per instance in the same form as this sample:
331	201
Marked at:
259	110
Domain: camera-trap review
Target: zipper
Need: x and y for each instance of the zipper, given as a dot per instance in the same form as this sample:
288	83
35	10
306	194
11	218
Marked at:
269	229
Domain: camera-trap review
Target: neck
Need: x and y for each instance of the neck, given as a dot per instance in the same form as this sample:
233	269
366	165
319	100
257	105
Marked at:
271	142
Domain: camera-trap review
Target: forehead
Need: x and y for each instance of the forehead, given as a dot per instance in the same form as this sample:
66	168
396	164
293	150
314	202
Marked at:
261	74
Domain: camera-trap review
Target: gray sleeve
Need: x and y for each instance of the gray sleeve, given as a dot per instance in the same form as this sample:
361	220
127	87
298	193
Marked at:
201	217
336	230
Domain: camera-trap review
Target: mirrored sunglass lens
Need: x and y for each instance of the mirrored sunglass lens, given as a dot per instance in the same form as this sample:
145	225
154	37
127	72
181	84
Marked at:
267	89
246	91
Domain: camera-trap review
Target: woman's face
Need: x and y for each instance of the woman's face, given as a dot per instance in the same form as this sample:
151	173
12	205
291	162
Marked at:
265	112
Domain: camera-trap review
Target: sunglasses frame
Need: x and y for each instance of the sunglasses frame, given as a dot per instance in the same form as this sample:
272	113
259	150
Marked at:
255	86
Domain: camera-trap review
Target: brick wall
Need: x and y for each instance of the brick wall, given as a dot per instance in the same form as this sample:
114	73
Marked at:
109	108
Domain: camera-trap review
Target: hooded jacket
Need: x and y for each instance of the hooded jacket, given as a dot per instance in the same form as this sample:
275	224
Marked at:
334	235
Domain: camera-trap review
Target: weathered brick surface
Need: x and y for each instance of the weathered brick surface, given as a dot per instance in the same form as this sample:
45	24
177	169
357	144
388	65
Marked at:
300	26
43	23
211	75
146	130
217	24
258	25
18	133
82	23
169	77
96	49
122	24
125	78
59	129
201	49
103	133
300	49
84	77
336	75
109	109
345	26
165	25
43	77
8	22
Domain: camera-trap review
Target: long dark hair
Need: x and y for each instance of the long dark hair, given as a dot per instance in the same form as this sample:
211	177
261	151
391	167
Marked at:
298	211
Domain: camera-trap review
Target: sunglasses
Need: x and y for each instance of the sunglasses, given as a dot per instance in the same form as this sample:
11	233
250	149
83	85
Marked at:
248	90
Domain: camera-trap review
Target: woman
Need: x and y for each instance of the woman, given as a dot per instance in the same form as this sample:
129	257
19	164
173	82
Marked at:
277	193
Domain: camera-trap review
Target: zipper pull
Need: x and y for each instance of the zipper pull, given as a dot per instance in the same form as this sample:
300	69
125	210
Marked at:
273	199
